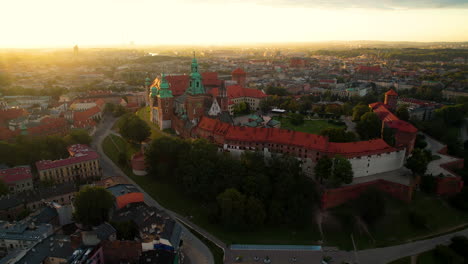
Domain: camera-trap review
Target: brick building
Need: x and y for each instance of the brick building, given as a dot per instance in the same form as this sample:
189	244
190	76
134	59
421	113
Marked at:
82	164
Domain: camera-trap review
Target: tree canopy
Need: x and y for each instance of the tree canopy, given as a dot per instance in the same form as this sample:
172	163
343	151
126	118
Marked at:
359	111
418	161
338	135
402	113
92	205
369	127
133	128
342	171
243	193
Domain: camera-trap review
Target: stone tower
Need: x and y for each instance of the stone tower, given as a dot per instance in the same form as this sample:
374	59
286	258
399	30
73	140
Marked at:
391	99
239	75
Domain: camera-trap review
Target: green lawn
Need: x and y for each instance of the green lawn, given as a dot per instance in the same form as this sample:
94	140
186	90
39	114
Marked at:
144	113
309	126
395	227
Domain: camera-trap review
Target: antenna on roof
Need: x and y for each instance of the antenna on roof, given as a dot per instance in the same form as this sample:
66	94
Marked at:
194	54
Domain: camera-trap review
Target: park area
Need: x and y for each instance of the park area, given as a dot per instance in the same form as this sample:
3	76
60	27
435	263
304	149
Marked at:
309	126
401	222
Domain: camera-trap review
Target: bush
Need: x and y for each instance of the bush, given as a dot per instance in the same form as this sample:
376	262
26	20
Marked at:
296	119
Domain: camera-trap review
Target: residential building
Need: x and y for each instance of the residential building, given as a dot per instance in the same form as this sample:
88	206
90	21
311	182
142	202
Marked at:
82	164
21	235
18	178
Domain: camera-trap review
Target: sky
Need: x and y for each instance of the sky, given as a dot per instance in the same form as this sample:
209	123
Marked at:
55	23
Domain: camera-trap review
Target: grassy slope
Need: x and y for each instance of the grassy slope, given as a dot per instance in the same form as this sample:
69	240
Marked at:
395	227
309	126
144	113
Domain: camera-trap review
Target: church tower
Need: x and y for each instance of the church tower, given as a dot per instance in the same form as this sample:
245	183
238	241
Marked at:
165	101
195	94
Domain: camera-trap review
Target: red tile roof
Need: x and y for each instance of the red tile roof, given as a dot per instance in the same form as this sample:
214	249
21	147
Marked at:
238	71
237	91
391	120
210	79
401	126
293	138
11	113
87	114
80	154
49	126
12	175
369	69
6	134
354	149
391	92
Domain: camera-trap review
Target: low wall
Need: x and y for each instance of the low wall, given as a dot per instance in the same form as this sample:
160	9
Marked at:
335	197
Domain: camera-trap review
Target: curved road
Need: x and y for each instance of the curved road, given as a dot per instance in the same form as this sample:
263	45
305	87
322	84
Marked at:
195	250
198	253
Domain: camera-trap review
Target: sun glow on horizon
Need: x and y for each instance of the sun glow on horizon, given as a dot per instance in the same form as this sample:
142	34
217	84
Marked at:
29	23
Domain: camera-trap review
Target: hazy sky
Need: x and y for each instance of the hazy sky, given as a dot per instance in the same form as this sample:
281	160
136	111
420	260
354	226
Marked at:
39	23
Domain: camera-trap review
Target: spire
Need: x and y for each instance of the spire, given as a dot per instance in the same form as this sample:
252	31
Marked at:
164	88
196	84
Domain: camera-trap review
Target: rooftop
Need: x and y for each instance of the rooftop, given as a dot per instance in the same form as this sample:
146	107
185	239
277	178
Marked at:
79	153
15	174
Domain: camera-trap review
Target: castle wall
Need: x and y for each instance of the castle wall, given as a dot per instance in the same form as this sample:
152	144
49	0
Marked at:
377	163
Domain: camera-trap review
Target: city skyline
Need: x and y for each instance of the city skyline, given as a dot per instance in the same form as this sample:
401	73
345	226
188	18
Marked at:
54	23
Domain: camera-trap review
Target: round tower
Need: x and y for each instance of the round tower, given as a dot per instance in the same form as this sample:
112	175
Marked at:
391	99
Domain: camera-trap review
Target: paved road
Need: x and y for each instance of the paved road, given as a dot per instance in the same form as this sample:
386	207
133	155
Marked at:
195	250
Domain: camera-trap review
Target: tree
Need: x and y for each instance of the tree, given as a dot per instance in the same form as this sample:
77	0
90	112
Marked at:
3	188
402	112
369	127
133	128
323	168
358	111
119	110
338	135
232	205
92	205
109	108
296	119
241	108
342	171
79	136
418	161
255	214
333	109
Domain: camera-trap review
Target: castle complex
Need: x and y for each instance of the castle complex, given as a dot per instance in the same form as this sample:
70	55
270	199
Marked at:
199	105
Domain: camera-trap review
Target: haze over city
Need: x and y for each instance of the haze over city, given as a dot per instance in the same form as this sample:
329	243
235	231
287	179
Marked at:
56	23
